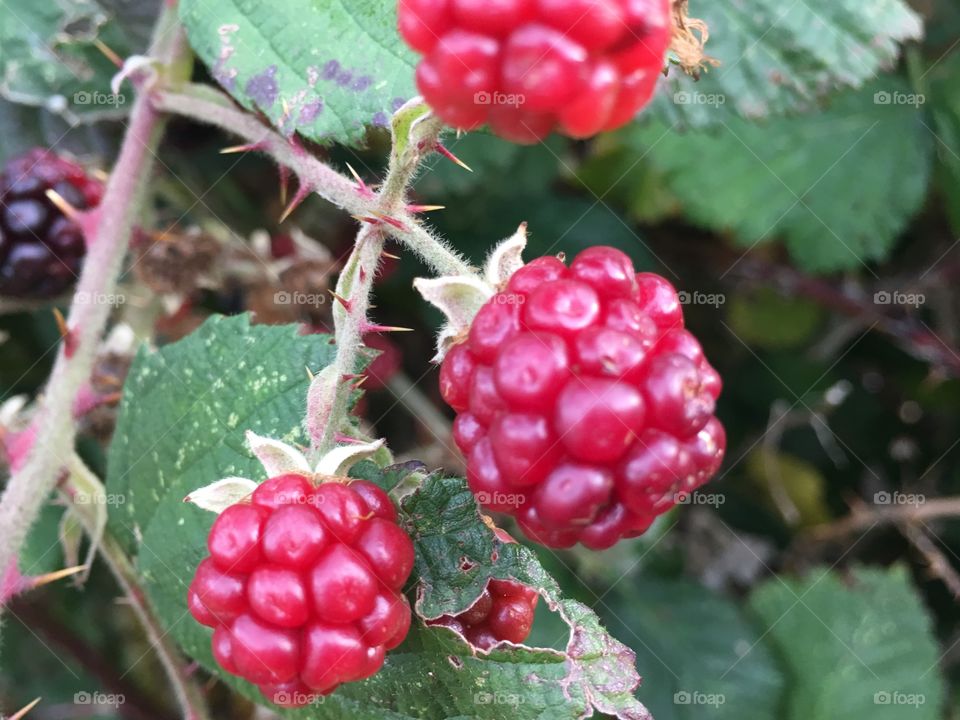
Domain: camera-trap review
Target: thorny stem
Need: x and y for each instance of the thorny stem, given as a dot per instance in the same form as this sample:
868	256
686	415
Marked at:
82	482
29	488
206	105
415	134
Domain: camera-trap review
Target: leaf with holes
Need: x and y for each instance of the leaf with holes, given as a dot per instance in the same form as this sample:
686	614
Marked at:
326	69
49	54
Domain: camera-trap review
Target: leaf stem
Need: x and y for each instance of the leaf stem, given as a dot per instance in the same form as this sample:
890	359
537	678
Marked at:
109	239
82	482
207	105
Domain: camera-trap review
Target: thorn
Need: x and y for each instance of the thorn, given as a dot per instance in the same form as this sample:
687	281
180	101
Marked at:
346	439
69	339
310	374
451	157
248	147
110	54
389	255
374	328
362	187
284	183
390	220
347	305
425	208
297	146
366	219
63	206
359	383
351	376
302	192
41	580
19	714
99	174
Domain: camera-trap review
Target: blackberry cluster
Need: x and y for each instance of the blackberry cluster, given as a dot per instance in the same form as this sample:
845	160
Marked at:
528	67
41	250
584	407
303	586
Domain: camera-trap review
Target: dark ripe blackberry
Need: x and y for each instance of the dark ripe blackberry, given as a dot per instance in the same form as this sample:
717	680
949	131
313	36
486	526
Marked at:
41	251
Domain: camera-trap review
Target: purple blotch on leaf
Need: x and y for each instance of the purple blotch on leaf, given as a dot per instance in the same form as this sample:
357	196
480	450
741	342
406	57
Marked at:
381	119
262	88
309	112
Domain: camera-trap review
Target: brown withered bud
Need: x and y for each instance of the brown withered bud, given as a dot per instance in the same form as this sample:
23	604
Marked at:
176	263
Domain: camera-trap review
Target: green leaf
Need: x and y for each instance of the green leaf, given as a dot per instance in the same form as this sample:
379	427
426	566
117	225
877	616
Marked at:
693	645
184	413
778	57
49	59
792	177
181	425
324	68
858	647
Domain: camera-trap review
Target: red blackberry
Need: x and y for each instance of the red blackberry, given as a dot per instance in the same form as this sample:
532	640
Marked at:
504	611
527	67
303	586
584	407
41	251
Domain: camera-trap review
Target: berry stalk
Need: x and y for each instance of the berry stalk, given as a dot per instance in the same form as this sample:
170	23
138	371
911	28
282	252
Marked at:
29	488
415	134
